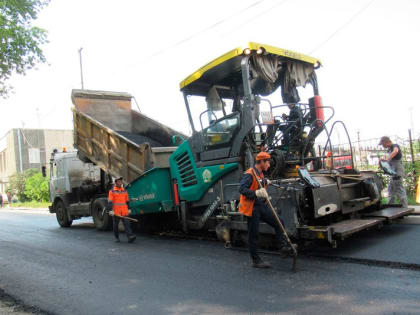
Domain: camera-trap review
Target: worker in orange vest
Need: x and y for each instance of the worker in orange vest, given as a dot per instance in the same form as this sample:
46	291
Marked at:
118	201
253	204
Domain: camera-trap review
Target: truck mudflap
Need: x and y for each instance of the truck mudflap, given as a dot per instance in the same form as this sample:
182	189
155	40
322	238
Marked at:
51	209
346	228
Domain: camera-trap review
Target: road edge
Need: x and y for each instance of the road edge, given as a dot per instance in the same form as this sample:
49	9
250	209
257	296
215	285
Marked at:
8	301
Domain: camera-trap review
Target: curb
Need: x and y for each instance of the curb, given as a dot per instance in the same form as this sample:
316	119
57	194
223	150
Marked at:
24	208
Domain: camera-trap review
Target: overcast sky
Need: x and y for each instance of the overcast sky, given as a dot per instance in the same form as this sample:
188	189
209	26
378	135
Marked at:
369	50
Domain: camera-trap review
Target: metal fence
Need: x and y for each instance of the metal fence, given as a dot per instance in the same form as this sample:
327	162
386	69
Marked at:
367	153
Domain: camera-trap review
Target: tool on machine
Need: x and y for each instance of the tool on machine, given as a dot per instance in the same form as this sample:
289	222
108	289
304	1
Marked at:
280	224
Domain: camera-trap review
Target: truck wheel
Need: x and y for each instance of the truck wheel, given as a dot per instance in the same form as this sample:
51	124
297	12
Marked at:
61	214
103	222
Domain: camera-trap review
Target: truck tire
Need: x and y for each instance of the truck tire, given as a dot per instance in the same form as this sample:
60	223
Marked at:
103	222
61	214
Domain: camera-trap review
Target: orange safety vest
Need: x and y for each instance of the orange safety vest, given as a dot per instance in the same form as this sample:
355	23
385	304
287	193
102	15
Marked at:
119	199
246	205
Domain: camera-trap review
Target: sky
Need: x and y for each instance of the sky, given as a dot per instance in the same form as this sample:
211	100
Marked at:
369	51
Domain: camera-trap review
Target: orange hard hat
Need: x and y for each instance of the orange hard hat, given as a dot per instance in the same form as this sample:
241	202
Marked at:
263	156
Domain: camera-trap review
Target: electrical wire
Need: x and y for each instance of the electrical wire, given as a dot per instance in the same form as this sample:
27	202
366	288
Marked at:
255	17
352	18
138	107
24	137
204	30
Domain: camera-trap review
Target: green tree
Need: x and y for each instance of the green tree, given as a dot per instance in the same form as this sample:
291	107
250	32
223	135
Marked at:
17	183
36	188
20	42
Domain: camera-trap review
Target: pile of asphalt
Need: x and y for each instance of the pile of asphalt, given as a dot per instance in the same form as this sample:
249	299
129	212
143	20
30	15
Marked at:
11	305
139	139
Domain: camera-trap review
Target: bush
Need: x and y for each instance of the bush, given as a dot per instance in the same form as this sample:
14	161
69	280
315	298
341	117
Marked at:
17	183
410	179
36	188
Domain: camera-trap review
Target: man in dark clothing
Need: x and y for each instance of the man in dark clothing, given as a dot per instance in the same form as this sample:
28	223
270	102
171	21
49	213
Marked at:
294	122
253	205
1	200
395	187
295	113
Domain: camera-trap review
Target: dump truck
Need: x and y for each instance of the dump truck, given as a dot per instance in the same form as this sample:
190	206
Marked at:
192	183
112	140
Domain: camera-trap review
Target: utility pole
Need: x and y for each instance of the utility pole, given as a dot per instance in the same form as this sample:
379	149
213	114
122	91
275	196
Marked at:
38	137
38	117
81	67
412	121
358	145
411	148
19	131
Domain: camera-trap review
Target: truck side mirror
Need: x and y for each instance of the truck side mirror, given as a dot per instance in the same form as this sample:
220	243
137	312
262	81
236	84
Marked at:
44	171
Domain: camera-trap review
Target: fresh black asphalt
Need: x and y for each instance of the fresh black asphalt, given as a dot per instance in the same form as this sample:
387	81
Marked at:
81	271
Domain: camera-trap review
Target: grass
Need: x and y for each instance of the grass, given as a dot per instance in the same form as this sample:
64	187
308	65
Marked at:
31	204
411	201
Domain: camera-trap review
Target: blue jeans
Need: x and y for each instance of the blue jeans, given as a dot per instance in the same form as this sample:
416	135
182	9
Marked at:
127	227
264	214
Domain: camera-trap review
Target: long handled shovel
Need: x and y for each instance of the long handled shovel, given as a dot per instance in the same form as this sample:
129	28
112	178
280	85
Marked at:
122	217
119	216
280	224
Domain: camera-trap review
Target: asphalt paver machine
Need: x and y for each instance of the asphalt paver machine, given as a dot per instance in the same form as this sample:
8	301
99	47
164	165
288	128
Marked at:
232	119
232	116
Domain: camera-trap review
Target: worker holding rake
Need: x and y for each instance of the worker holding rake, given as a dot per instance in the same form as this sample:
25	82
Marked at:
254	204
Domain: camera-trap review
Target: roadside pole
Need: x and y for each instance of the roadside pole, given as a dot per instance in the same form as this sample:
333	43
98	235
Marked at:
411	149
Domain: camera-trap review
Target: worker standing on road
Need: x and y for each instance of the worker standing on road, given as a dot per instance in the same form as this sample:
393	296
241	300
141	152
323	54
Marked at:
395	187
118	202
253	205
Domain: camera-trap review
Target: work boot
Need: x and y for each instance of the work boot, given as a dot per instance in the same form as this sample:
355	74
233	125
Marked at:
259	263
288	250
131	239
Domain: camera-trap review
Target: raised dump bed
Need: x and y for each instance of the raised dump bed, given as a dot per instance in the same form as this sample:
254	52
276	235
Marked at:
121	141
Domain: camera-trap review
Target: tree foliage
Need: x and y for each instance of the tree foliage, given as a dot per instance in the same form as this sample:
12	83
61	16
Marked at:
36	188
20	42
17	183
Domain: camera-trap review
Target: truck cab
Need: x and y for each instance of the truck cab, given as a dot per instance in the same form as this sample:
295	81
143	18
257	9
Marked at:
73	187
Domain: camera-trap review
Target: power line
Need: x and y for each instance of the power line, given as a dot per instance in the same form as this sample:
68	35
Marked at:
352	18
256	17
24	138
204	30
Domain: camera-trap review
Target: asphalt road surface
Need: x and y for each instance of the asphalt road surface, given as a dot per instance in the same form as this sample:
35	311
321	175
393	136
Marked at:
81	271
